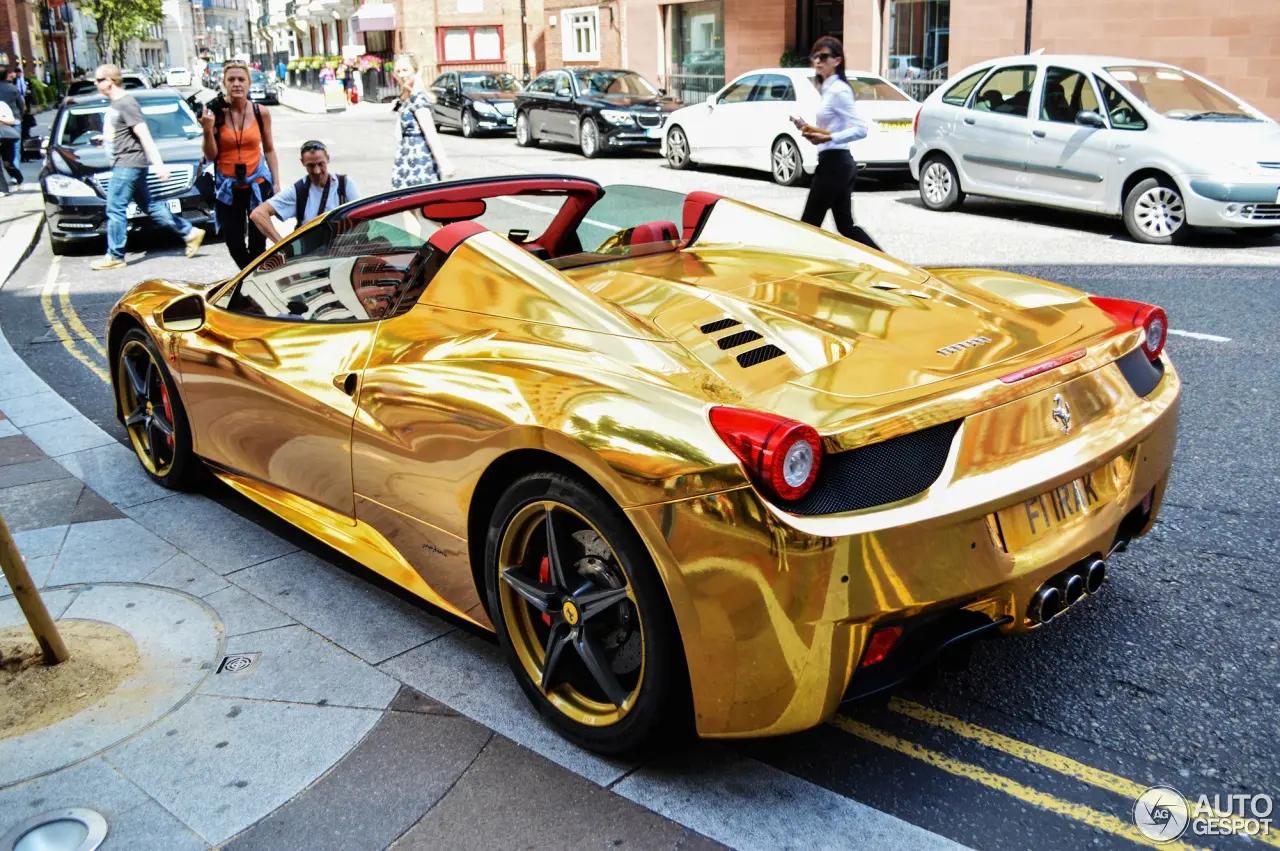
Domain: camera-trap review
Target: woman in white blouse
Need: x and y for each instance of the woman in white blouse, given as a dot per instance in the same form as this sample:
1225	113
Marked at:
838	127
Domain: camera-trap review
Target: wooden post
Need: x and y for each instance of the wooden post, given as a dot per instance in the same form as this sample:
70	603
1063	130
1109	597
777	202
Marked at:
15	570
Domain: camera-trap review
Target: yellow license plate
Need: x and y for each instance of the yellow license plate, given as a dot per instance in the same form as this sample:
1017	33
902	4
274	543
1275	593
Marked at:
1027	522
895	125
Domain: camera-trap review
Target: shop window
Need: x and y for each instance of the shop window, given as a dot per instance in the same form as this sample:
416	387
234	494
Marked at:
919	44
580	30
471	44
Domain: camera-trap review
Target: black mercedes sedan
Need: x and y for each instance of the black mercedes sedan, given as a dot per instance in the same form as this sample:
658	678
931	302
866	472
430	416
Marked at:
596	109
475	101
77	169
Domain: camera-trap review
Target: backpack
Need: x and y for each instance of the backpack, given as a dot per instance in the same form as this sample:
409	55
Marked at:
302	191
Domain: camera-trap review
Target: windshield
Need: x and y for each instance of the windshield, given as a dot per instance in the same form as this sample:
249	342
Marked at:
258	77
1175	94
481	83
167	119
874	88
611	83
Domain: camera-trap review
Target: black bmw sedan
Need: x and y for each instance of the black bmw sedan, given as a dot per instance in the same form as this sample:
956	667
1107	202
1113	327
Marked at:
594	108
77	169
475	101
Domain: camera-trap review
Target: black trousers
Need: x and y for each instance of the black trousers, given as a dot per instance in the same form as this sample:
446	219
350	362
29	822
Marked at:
244	241
8	148
832	189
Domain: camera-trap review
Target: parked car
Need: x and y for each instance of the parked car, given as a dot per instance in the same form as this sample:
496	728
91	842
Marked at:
263	88
747	123
77	170
597	109
211	76
1156	145
178	78
128	80
475	101
718	476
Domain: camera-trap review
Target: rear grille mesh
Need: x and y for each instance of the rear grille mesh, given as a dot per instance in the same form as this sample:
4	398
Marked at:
760	355
718	325
879	473
739	339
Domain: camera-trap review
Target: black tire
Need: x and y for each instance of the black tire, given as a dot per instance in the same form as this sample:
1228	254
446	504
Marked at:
940	184
1155	212
785	163
524	131
469	125
184	470
588	130
660	709
679	156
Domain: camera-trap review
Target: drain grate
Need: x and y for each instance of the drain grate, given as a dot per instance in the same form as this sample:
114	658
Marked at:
237	663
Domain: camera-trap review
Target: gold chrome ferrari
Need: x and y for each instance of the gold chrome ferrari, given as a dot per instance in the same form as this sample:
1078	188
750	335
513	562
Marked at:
722	474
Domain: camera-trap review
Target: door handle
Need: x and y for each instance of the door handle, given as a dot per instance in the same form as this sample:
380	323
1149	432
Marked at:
347	382
1039	134
969	121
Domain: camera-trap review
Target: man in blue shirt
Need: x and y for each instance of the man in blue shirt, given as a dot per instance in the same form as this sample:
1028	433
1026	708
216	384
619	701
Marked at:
282	71
316	193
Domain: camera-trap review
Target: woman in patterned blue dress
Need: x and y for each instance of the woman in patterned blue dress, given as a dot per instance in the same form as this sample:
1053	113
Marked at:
420	158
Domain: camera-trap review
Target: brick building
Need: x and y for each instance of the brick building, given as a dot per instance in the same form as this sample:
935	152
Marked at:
689	45
463	33
571	32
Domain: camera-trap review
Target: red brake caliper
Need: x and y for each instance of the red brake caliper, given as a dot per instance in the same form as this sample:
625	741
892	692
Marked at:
544	576
168	410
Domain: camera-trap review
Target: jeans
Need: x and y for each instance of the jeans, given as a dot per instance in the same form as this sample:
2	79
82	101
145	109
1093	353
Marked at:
832	189
9	149
244	240
129	183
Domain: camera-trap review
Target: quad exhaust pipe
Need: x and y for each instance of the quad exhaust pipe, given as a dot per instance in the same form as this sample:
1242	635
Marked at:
1066	589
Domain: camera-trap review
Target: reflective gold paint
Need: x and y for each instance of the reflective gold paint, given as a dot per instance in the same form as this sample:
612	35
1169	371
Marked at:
374	436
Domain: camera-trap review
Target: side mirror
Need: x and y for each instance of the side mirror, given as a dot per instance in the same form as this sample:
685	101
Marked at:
185	314
711	100
1089	118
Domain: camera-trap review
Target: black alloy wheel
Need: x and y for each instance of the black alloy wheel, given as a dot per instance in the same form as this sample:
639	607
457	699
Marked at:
153	413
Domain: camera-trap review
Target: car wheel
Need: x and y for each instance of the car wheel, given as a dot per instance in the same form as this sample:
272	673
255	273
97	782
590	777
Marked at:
524	131
153	413
785	163
582	617
469	126
940	185
678	156
1154	212
589	138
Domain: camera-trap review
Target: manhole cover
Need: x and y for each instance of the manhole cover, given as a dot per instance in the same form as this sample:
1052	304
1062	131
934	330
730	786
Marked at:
237	663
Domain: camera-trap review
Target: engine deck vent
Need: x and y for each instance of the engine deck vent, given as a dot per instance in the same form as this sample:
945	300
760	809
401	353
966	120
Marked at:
718	325
739	339
759	355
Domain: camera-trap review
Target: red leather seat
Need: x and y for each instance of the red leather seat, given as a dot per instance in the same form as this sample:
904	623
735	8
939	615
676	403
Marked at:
653	232
697	206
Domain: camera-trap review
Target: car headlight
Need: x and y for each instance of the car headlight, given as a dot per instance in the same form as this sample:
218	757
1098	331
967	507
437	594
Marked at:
68	187
616	116
484	108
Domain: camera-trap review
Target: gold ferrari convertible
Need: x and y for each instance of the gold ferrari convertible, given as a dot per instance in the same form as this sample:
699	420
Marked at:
699	466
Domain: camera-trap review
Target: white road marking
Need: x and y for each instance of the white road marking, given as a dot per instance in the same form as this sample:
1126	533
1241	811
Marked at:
1196	335
553	210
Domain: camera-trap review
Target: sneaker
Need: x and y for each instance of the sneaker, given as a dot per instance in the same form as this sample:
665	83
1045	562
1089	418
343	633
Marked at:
107	262
193	241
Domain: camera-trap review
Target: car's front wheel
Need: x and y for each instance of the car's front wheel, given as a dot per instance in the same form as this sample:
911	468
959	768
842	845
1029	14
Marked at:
589	138
582	616
678	156
1154	212
469	125
524	132
940	184
785	162
153	413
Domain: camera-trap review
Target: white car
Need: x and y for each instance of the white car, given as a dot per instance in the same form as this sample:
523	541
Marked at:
1158	146
178	78
747	123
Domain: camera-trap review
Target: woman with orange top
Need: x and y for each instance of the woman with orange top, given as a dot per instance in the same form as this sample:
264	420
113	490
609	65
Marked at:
237	139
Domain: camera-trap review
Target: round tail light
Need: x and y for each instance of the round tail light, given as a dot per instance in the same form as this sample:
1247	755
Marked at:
781	454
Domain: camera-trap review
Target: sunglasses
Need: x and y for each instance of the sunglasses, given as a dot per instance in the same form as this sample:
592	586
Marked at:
820	57
307	147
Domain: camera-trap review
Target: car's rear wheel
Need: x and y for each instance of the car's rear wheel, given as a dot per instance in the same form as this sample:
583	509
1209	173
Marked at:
153	413
589	138
785	164
940	185
678	156
1155	213
524	132
469	126
582	616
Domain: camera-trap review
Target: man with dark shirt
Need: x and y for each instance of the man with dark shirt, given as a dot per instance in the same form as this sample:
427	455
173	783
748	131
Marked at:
130	146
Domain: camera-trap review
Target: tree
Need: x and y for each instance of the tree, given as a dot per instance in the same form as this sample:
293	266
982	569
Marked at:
120	22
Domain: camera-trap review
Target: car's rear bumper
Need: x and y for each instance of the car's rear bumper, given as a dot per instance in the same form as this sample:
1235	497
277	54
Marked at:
776	611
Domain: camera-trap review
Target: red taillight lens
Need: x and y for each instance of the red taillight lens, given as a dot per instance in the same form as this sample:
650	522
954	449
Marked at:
1151	319
881	643
915	123
781	454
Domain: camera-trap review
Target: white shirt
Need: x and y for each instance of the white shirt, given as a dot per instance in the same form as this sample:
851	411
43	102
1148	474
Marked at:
285	203
838	114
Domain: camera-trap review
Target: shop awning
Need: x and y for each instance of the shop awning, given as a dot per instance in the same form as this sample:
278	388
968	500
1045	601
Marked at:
373	17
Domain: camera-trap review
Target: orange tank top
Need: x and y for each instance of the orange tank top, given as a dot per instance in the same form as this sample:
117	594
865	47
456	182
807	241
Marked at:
239	146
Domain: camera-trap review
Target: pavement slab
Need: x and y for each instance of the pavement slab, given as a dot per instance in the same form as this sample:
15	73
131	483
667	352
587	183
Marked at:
221	764
299	666
37	408
186	574
109	551
523	794
150	827
210	533
91	507
92	783
242	612
38	505
73	434
41	542
114	472
347	610
13	475
55	601
19	450
8	429
400	770
466	673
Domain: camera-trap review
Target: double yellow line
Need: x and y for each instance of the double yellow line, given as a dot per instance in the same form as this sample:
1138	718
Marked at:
67	327
1066	766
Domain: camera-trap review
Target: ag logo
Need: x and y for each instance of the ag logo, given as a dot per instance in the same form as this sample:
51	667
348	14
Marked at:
1161	814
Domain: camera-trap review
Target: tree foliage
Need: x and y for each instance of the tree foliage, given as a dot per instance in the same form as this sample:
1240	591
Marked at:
120	22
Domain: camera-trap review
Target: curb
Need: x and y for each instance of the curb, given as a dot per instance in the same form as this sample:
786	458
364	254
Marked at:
17	243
